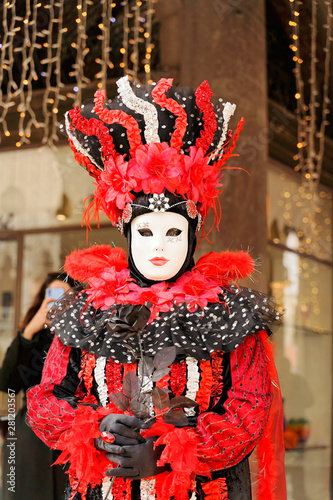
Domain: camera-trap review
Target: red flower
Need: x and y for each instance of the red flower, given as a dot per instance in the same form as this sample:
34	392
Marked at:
158	295
107	289
156	167
195	290
114	186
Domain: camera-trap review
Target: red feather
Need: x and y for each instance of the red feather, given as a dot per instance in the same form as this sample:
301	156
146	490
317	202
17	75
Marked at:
87	263
225	267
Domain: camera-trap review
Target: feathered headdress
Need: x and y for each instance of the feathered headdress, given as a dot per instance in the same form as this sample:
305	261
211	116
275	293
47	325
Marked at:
153	140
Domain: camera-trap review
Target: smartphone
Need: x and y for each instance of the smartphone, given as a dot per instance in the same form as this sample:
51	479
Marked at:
53	293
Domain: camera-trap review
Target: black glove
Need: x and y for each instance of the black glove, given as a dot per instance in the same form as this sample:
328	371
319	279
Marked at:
125	430
138	461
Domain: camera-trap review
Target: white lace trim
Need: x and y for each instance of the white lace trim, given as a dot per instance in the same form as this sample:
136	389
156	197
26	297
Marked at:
147	109
102	388
147	489
192	386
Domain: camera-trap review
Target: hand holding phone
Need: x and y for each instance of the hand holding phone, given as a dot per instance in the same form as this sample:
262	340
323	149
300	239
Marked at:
53	293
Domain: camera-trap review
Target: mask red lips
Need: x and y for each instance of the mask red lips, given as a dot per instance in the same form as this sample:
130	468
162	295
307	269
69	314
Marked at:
158	261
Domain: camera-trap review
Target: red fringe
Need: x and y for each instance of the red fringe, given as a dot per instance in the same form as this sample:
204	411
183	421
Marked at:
159	96
203	96
270	450
116	116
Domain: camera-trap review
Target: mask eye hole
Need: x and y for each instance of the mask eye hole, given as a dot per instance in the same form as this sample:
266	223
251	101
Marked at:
145	232
173	232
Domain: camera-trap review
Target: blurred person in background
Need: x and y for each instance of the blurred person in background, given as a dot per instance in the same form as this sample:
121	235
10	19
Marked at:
22	368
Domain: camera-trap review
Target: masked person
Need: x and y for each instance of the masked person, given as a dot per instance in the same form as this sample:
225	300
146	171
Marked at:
160	381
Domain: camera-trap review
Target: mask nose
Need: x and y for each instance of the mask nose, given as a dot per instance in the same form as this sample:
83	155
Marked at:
159	244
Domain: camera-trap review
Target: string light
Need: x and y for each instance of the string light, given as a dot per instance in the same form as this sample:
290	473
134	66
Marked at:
136	17
310	134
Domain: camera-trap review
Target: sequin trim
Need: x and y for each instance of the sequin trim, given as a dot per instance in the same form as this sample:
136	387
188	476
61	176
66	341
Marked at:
113	376
99	372
78	146
228	111
147	487
192	387
145	108
178	378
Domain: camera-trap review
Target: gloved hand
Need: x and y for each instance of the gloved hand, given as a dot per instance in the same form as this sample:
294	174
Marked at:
137	461
125	430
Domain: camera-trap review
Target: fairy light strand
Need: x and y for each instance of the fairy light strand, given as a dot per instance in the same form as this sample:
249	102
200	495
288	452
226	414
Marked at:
149	45
47	38
306	202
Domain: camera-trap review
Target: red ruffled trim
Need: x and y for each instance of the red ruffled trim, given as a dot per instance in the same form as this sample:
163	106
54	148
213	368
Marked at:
120	117
180	452
203	96
87	464
88	363
97	128
204	393
216	490
159	96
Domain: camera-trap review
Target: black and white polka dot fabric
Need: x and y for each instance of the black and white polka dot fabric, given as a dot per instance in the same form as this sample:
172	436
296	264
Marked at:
218	327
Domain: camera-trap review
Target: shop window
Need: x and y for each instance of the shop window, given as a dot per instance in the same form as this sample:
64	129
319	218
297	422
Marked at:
301	277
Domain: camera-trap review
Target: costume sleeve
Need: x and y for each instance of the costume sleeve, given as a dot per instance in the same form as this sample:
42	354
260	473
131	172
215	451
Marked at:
224	440
51	404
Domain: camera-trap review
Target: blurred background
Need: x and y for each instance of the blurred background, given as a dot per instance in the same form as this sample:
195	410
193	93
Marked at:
272	58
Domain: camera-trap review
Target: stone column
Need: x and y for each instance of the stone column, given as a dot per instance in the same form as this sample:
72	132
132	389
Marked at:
224	41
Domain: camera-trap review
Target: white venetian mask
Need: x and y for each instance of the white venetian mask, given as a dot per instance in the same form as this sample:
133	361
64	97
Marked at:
159	244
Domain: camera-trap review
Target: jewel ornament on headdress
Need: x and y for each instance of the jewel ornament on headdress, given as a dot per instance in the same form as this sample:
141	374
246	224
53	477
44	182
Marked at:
158	203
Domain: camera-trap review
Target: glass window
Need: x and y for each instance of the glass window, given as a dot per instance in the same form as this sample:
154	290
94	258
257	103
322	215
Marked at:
301	277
